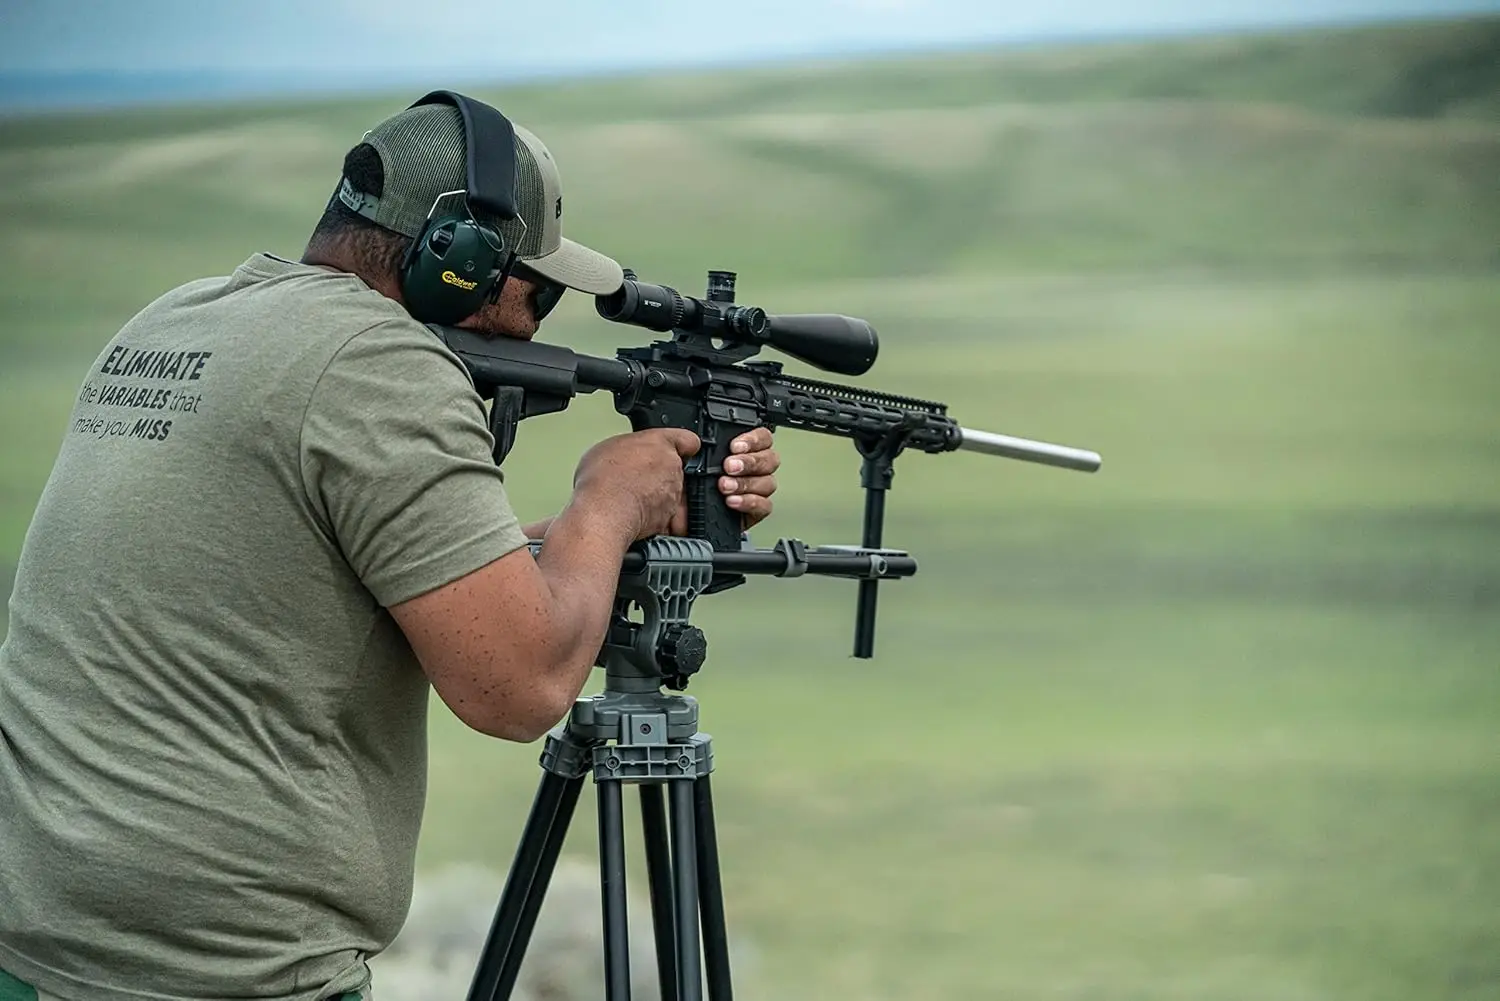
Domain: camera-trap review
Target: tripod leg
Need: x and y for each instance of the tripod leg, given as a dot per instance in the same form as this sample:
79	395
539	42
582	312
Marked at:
612	889
685	889
515	916
711	896
659	869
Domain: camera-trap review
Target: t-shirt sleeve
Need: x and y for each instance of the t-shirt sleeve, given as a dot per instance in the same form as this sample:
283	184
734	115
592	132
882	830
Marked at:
396	461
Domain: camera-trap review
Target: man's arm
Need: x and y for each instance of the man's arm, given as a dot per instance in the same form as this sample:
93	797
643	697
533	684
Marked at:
509	646
397	470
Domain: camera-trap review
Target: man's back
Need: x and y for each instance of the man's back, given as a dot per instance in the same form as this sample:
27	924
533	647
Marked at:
211	771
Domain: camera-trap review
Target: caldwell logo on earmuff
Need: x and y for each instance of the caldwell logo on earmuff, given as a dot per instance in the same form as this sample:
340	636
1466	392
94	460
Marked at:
453	279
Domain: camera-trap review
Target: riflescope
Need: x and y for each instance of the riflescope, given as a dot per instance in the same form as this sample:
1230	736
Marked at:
829	341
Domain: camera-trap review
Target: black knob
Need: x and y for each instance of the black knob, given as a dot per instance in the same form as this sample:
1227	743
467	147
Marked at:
747	322
721	286
682	648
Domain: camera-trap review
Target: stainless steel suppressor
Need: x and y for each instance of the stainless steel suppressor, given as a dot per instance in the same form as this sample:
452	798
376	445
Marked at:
1027	450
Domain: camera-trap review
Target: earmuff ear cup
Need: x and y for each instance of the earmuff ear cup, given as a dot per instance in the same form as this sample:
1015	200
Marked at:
451	269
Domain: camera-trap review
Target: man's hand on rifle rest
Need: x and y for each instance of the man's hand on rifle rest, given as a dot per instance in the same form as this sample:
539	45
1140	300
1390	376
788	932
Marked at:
751	478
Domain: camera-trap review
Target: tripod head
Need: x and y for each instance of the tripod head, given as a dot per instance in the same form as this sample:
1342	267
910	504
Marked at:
650	643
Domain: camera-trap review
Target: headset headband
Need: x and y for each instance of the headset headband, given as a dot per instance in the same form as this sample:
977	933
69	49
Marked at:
491	149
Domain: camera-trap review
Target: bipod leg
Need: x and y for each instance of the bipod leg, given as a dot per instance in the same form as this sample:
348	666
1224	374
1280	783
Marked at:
531	871
711	895
659	870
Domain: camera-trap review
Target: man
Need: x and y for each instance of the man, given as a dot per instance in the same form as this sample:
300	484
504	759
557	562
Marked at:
273	523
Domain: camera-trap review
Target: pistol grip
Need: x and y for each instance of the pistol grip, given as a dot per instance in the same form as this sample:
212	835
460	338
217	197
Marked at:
709	516
505	414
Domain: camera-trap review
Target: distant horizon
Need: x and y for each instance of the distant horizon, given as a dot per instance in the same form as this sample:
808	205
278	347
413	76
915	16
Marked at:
40	90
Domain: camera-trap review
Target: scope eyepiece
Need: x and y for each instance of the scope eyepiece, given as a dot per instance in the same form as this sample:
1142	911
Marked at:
655	307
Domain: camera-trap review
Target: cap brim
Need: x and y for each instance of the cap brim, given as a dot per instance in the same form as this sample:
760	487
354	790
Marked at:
578	267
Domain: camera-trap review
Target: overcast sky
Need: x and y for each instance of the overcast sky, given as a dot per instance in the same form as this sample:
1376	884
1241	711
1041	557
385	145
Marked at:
503	39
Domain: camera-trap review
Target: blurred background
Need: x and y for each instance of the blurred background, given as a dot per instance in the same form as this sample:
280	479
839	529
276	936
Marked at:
1219	722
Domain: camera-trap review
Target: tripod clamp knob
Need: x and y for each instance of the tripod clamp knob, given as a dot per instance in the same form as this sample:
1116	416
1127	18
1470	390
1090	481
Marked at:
681	648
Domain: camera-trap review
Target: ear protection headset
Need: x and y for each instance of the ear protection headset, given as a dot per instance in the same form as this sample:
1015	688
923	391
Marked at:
457	263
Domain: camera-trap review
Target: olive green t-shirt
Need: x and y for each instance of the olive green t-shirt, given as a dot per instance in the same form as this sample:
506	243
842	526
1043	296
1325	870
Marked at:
212	733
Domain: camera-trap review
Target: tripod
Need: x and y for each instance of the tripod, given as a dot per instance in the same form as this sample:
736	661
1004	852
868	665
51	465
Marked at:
635	733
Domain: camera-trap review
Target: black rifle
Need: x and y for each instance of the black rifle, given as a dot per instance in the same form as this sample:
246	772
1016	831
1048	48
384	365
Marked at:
701	380
632	733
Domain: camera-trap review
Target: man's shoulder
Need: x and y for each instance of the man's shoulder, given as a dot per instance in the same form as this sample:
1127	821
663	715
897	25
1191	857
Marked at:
266	280
311	311
395	356
278	298
290	327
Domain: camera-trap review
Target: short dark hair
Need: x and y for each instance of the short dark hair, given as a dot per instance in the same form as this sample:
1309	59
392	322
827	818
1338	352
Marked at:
371	246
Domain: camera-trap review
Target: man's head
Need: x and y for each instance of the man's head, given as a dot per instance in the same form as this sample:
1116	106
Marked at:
408	166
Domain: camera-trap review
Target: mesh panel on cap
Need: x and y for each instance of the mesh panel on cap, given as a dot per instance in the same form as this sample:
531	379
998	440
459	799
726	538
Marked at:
422	152
530	204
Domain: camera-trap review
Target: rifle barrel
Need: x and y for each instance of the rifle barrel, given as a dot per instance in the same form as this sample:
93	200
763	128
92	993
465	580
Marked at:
1046	453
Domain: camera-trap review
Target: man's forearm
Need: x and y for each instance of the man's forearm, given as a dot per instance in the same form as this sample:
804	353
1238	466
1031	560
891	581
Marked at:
580	562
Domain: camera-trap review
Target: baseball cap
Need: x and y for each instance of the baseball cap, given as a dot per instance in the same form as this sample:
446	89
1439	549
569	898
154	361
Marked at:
422	153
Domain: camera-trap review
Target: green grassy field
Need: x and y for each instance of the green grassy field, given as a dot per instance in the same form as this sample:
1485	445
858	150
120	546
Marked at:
1220	722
